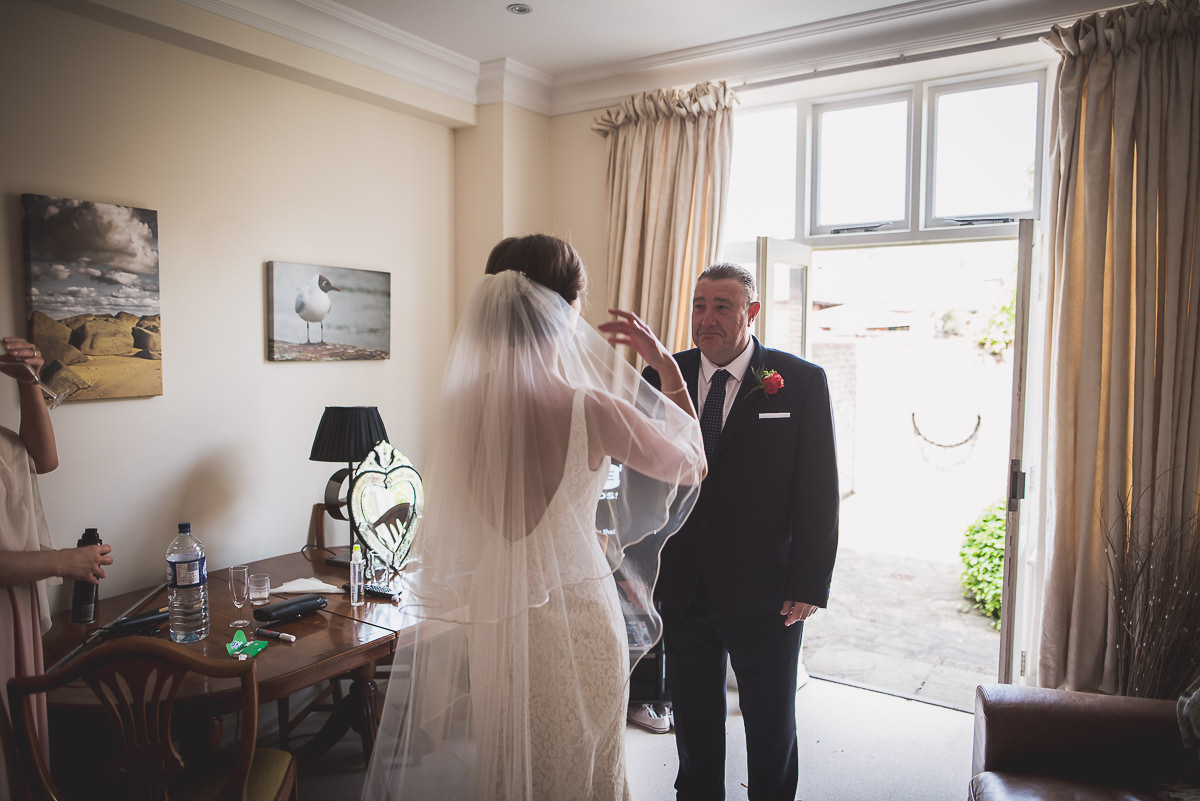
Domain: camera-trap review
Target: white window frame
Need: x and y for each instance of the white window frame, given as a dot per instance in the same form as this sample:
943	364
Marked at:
906	95
935	89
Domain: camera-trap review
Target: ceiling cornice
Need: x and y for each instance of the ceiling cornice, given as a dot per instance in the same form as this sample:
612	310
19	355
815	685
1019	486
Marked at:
770	39
507	81
339	31
332	29
856	39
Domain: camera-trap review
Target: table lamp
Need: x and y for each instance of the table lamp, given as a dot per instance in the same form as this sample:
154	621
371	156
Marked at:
345	434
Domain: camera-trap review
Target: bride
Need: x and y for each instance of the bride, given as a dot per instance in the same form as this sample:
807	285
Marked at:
552	457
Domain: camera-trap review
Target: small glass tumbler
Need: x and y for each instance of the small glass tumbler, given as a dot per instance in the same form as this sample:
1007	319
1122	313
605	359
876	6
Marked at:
260	588
379	569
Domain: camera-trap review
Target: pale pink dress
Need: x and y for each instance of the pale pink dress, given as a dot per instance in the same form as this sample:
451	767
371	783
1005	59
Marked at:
24	613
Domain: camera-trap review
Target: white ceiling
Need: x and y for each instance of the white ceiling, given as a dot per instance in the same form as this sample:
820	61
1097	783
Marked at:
571	55
563	37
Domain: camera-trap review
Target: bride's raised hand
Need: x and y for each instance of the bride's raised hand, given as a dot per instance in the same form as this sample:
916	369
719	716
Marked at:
628	329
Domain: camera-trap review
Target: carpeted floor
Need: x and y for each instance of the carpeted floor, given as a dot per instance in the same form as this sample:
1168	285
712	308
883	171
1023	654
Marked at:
855	745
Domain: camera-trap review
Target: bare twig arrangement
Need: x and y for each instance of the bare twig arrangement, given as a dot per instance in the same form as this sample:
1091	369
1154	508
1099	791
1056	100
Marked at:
1154	580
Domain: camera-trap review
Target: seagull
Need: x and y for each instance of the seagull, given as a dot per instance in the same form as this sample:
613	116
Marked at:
312	304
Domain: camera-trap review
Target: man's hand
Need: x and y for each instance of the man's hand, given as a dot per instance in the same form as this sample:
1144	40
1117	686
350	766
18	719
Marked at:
796	612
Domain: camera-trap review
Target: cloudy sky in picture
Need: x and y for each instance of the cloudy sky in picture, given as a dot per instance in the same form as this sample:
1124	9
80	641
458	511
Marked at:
86	257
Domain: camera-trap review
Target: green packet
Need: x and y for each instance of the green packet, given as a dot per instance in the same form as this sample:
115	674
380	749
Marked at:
243	648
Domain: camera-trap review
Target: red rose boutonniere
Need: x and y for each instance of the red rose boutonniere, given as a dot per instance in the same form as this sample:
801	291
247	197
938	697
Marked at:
769	381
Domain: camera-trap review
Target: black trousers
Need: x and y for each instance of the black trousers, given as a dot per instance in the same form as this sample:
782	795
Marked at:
765	656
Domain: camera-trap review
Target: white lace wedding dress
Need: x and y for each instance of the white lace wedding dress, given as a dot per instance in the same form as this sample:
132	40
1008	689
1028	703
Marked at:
573	651
528	704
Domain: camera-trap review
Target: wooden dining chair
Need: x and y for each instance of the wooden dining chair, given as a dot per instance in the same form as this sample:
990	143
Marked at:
135	681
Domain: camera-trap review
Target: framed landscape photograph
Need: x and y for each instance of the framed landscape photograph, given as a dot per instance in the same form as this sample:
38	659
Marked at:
92	296
318	313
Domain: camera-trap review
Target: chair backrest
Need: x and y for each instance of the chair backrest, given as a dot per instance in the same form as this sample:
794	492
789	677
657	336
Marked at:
136	681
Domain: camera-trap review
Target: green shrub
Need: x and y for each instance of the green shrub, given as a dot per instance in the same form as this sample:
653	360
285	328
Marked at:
1000	328
982	556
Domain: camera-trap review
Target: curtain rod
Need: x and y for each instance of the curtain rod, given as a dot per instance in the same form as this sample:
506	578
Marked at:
895	61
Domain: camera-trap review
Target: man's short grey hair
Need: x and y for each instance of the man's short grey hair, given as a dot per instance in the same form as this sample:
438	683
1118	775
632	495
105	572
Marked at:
724	270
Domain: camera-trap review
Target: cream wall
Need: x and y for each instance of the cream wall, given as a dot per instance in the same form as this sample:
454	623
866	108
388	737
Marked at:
526	172
502	185
578	170
519	172
478	196
242	167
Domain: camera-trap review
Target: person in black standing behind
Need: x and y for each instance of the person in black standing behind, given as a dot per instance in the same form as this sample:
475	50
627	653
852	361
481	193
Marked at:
755	558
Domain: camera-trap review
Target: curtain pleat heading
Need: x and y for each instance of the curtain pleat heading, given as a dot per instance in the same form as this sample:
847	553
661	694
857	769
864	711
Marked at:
668	173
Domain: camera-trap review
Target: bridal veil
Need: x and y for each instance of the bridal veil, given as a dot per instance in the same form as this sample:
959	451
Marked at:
555	475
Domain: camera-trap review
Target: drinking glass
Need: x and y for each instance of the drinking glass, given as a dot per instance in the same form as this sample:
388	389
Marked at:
260	588
379	569
239	589
53	399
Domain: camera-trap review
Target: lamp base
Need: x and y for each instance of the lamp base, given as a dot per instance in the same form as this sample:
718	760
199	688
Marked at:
339	558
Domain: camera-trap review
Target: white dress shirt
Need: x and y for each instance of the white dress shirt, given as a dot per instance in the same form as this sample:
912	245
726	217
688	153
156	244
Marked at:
737	370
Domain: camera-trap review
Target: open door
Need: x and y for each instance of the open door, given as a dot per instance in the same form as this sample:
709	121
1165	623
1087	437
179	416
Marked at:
782	275
1024	550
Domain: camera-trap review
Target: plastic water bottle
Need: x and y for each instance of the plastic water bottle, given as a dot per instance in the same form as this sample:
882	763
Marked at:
84	595
187	587
356	576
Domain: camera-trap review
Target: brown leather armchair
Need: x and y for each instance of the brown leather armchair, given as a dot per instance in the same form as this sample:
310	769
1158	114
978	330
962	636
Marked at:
1033	743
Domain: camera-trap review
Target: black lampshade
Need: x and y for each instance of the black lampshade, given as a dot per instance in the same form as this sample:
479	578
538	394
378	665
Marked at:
347	434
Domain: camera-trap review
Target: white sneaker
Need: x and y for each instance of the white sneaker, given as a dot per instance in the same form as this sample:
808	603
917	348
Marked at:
646	716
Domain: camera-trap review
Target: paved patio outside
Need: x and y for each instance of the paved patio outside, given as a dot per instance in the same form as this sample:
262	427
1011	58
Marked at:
901	625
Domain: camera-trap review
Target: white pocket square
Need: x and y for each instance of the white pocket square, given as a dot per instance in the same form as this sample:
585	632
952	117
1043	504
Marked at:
766	415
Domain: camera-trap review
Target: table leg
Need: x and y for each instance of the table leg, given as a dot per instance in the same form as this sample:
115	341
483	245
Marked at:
364	700
283	710
356	710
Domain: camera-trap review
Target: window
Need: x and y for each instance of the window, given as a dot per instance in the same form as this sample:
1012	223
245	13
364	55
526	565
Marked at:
985	143
953	158
764	143
860	174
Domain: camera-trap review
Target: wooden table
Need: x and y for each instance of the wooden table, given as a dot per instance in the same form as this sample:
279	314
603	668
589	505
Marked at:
333	642
359	709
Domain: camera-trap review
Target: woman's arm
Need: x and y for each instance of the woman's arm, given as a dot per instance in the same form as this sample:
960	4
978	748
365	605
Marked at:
36	430
617	429
628	329
81	564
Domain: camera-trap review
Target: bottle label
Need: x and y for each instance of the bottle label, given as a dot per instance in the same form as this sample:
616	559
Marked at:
184	575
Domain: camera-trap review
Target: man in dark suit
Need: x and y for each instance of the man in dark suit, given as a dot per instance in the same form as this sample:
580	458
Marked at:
754	560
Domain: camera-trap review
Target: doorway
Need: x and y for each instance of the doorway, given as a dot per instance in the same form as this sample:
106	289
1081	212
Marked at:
917	344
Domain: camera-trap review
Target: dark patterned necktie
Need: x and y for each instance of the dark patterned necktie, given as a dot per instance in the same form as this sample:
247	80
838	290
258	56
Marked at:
714	411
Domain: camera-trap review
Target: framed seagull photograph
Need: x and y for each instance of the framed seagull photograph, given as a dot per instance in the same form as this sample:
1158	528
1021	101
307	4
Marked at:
317	313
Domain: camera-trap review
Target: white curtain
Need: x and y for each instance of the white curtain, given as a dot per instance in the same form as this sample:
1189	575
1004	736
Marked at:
1124	411
668	172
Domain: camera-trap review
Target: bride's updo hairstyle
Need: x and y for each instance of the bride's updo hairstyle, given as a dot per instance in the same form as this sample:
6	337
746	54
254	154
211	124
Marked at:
547	260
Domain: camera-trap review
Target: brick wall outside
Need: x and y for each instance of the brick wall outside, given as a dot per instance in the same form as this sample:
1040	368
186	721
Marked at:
840	361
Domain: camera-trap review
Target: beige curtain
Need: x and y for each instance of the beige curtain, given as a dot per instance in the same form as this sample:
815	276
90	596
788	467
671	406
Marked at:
1124	411
668	170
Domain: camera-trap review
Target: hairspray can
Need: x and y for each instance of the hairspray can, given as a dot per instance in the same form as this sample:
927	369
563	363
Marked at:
83	600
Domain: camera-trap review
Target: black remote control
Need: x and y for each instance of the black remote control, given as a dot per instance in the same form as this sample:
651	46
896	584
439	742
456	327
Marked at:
376	591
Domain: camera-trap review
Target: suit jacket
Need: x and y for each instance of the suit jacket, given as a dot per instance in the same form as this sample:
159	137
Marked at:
765	527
